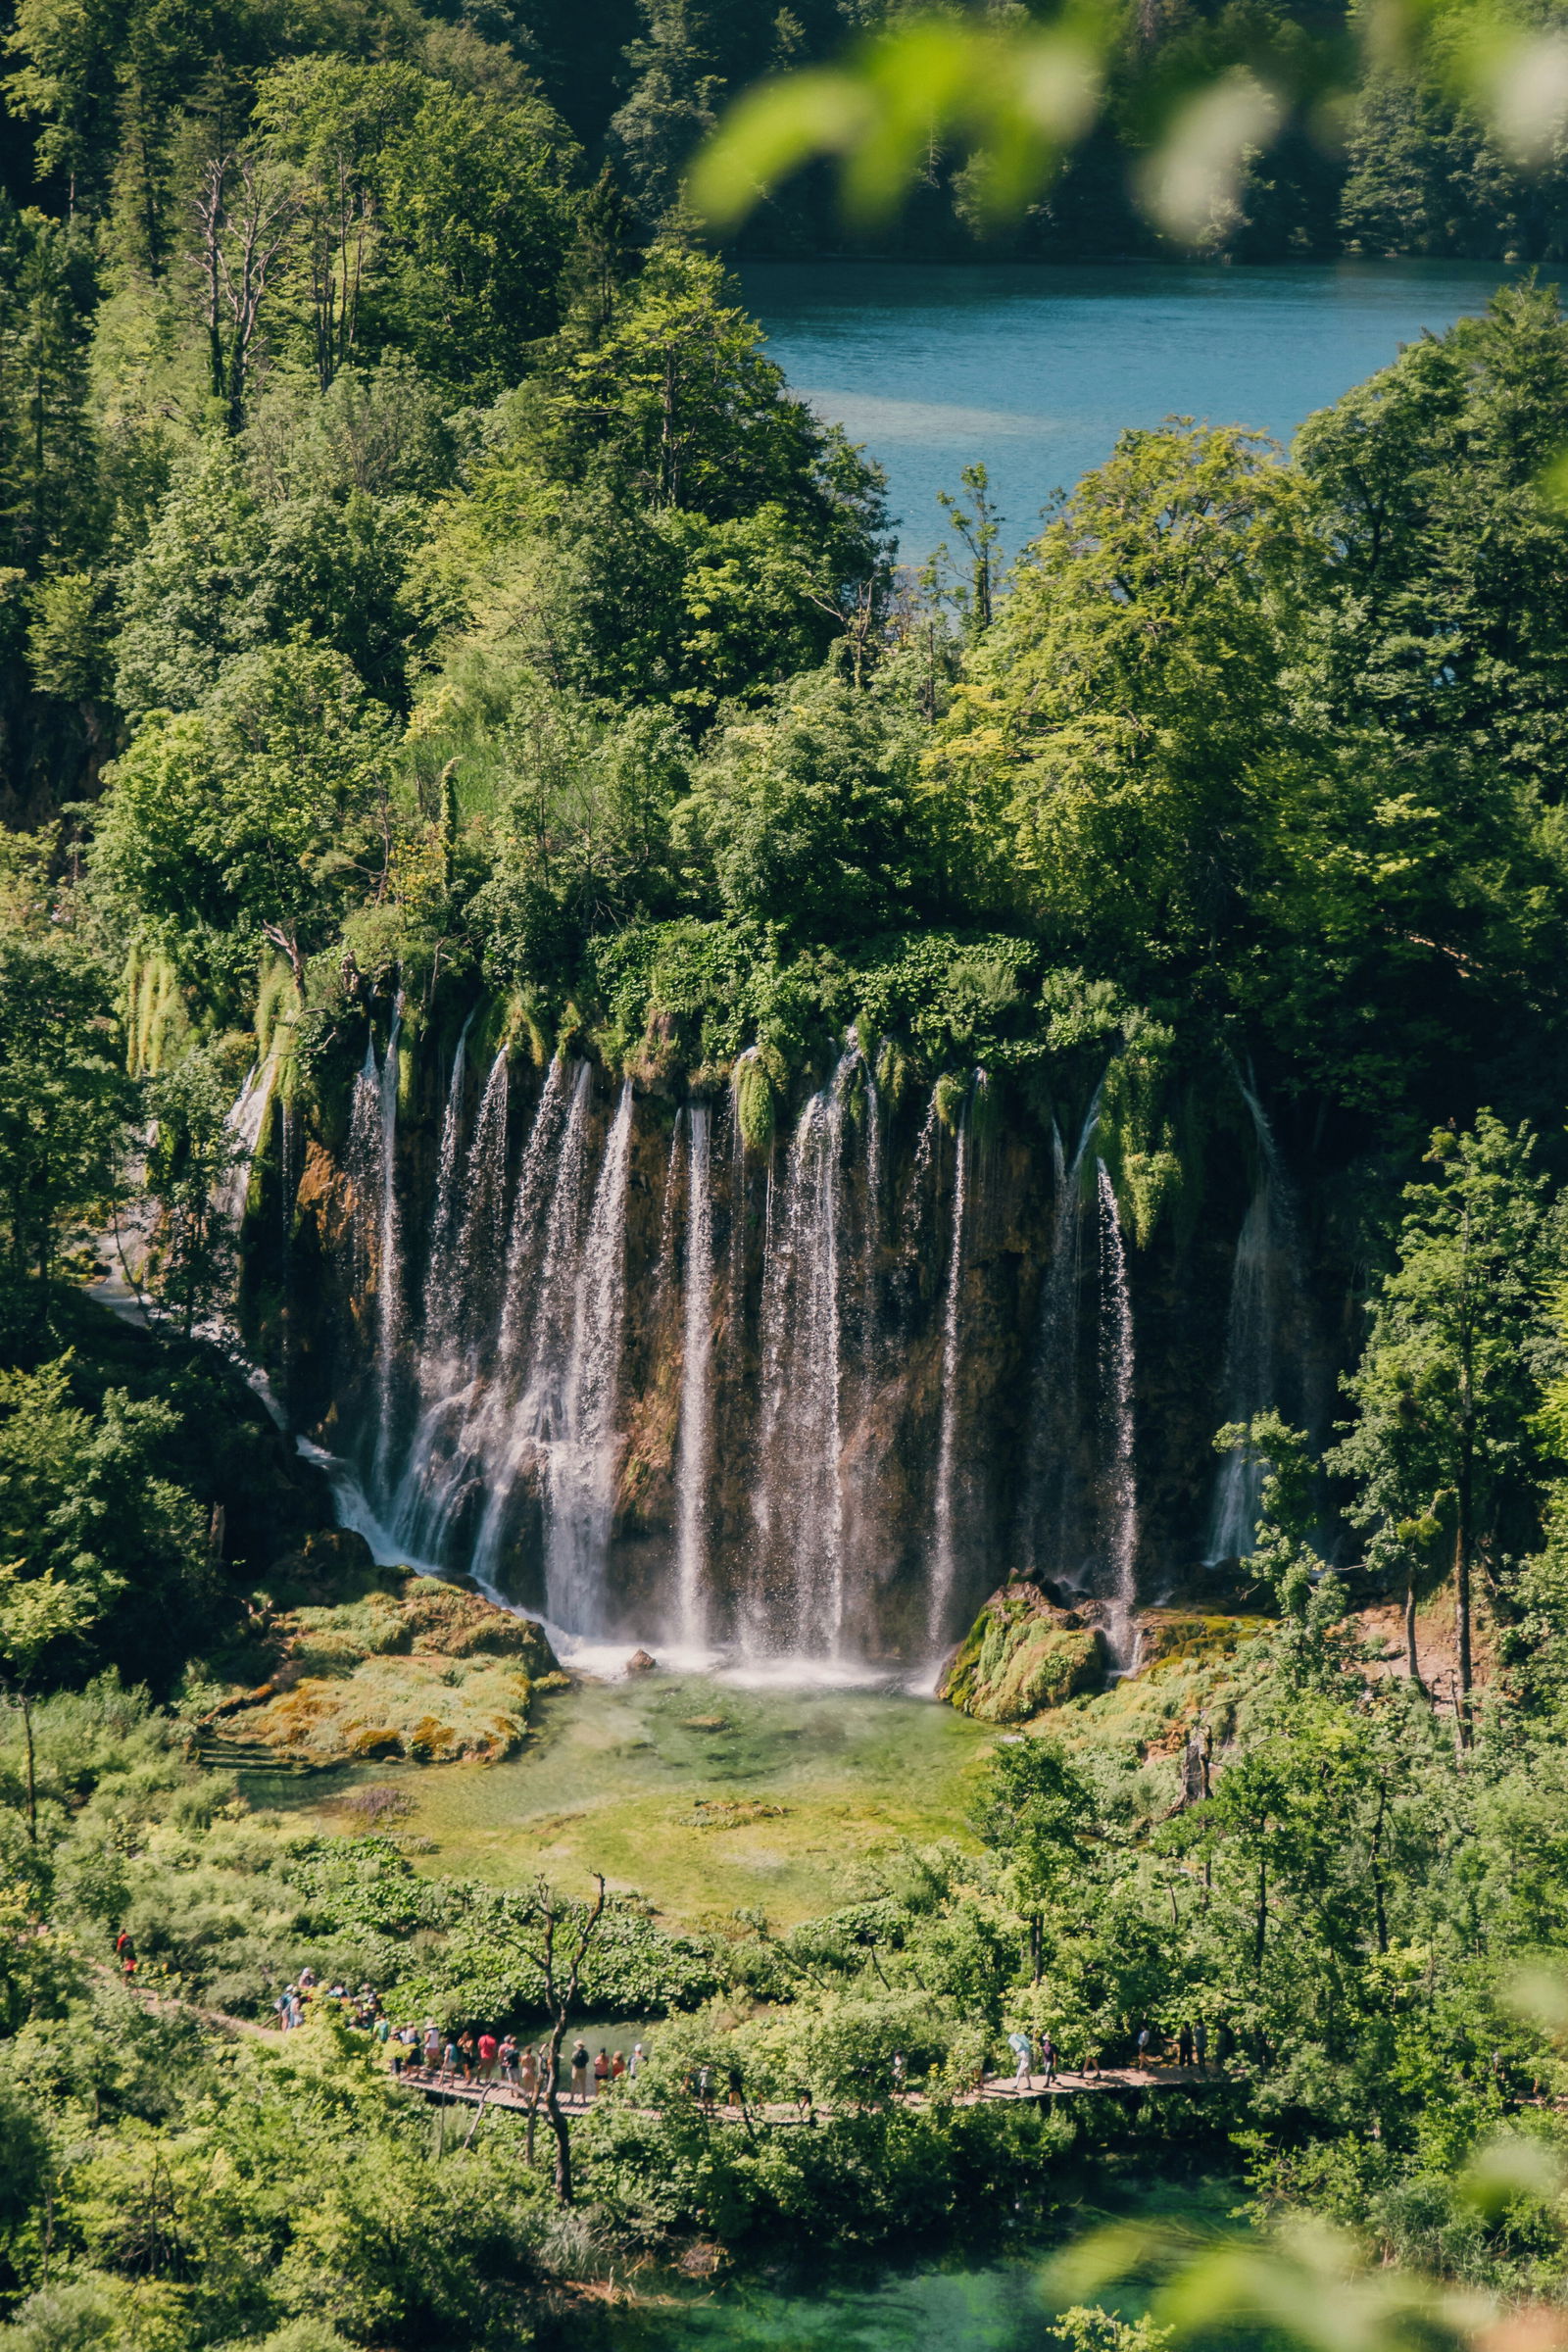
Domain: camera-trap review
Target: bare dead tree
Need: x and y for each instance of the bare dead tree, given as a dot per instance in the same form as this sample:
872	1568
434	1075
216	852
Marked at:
558	1934
341	216
246	214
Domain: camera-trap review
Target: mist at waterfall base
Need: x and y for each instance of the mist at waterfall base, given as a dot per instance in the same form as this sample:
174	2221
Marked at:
761	1411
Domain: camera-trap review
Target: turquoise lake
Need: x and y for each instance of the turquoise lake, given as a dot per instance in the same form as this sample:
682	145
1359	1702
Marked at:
1034	369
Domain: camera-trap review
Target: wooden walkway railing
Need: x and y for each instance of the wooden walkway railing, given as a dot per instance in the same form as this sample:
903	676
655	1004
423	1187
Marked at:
1001	2089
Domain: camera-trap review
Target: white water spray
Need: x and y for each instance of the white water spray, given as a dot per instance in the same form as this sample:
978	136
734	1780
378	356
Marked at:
797	1598
944	1559
694	1448
1117	1395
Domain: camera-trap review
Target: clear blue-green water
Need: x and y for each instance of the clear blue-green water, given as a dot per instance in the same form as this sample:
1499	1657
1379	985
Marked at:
999	2307
988	2302
1034	369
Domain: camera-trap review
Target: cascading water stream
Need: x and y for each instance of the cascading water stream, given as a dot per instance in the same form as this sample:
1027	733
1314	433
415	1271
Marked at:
460	1415
523	1405
1116	1370
442	1300
921	1178
244	1121
580	1459
798	1597
364	1162
1266	1284
1049	1480
694	1446
944	1559
389	1262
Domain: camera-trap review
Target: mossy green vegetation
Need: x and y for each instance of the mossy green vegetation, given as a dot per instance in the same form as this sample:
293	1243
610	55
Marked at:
1022	1657
416	1669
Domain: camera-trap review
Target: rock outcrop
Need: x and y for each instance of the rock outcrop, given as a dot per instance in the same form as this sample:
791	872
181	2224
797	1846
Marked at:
1021	1655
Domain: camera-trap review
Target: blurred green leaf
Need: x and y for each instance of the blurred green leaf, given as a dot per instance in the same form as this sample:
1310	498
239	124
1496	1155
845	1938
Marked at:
1016	101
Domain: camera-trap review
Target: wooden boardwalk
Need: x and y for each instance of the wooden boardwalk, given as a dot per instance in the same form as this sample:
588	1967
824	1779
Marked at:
1001	2090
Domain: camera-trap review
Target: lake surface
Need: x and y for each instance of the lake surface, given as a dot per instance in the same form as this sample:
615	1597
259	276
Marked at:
1034	369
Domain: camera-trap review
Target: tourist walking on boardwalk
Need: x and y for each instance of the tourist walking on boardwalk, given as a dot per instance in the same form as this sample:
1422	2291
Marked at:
900	2075
1184	2046
432	2047
617	2065
529	2075
1201	2045
1047	2058
601	2071
1143	2045
636	2067
1023	2050
488	2048
580	2064
466	2048
507	2059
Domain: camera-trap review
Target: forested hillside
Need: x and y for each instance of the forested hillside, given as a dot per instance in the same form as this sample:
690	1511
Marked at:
113	115
680	1046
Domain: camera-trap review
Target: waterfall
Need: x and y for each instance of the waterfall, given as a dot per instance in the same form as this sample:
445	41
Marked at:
798	1597
665	1263
442	1302
871	1234
1050	1476
920	1177
511	1429
944	1565
389	1260
362	1160
694	1446
1116	1407
580	1464
526	1241
465	1262
1265	1282
463	1421
244	1121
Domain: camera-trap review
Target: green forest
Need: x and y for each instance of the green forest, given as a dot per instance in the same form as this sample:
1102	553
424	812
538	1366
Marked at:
426	610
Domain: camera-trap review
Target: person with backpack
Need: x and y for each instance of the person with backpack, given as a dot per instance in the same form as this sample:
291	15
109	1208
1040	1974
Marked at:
581	2062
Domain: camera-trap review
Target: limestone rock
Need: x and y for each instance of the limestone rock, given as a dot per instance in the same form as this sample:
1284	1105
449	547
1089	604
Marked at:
1023	1654
640	1663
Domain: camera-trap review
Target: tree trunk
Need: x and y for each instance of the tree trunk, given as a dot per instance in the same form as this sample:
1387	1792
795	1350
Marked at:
558	2121
32	1786
1461	1613
1412	1662
1262	1915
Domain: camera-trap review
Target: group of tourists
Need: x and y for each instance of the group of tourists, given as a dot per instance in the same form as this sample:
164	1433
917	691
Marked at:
1192	2052
433	2056
361	2009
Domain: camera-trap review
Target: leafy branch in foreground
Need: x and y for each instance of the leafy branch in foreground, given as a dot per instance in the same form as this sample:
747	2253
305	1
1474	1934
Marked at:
1020	98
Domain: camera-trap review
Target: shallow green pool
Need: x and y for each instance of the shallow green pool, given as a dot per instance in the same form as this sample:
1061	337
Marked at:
705	1796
